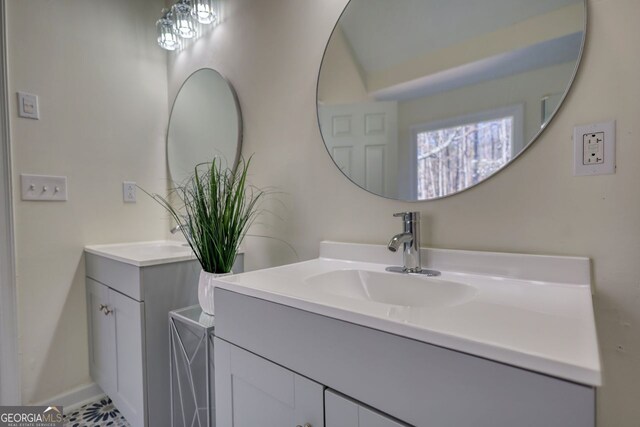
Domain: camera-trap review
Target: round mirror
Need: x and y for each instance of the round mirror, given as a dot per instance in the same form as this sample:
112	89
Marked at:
205	123
422	99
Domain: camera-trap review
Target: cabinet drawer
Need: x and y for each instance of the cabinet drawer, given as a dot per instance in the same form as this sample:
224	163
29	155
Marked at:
124	278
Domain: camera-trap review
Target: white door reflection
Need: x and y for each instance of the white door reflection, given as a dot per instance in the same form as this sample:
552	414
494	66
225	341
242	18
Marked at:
363	142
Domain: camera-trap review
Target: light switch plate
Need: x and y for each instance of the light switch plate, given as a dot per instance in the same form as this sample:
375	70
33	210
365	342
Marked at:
28	106
594	149
43	188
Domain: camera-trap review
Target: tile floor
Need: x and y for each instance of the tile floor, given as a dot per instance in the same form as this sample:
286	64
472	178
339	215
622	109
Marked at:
96	414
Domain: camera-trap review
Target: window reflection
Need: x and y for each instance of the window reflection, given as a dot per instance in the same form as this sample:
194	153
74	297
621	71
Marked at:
452	159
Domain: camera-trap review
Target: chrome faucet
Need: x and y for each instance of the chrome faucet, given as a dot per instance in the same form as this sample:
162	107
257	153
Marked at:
185	230
177	228
409	239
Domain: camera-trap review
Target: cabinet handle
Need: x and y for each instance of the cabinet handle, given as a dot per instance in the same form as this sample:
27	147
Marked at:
306	425
105	309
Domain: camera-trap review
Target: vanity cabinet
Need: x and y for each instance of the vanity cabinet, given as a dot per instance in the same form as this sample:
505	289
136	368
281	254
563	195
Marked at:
252	391
116	351
414	382
127	311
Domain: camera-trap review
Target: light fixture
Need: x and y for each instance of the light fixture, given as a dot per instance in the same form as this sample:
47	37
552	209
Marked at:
186	20
167	37
182	20
204	11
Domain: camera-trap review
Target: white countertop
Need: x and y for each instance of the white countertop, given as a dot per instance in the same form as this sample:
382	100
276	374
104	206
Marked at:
144	254
533	312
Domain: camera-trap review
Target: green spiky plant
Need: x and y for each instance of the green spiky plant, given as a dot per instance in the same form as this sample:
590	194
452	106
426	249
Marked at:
217	206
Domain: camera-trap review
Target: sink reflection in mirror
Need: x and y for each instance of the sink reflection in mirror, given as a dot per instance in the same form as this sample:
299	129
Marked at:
392	289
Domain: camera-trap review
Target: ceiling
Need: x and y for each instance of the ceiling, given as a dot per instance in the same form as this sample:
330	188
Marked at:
375	29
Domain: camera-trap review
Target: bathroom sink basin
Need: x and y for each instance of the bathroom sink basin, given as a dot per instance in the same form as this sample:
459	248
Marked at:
392	288
529	311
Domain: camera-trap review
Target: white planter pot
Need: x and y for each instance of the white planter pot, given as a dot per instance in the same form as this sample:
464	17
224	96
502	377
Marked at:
206	286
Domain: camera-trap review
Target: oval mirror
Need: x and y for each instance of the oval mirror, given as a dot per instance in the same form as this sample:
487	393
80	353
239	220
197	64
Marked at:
422	99
205	122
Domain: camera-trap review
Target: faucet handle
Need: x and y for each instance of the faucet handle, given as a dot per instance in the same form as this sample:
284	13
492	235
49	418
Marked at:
408	216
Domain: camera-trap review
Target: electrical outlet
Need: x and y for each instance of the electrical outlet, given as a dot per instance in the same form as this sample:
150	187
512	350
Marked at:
129	192
594	149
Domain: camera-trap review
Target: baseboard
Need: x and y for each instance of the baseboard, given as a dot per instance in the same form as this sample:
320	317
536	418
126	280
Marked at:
75	398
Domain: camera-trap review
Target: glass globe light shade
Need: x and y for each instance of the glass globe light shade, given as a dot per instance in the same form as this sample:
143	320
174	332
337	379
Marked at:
167	38
204	11
182	20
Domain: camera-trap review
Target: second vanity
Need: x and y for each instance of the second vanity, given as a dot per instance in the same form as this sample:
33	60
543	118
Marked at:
498	340
130	290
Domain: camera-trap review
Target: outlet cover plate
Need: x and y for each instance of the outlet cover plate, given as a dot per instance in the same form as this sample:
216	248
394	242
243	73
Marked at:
594	148
129	192
28	106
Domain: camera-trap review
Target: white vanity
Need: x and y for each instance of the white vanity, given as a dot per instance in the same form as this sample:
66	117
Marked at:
130	290
498	340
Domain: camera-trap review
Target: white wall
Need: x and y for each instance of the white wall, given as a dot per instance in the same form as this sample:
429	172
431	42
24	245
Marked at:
101	79
271	52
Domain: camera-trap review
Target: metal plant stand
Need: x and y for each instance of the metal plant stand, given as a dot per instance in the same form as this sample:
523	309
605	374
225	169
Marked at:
191	368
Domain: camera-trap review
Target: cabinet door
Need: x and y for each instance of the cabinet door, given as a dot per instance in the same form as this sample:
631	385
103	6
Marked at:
252	391
128	393
101	337
343	412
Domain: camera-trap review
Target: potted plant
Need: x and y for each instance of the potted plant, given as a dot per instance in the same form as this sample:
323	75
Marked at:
214	209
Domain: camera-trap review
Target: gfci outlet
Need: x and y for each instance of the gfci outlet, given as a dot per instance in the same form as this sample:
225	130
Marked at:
129	192
594	149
